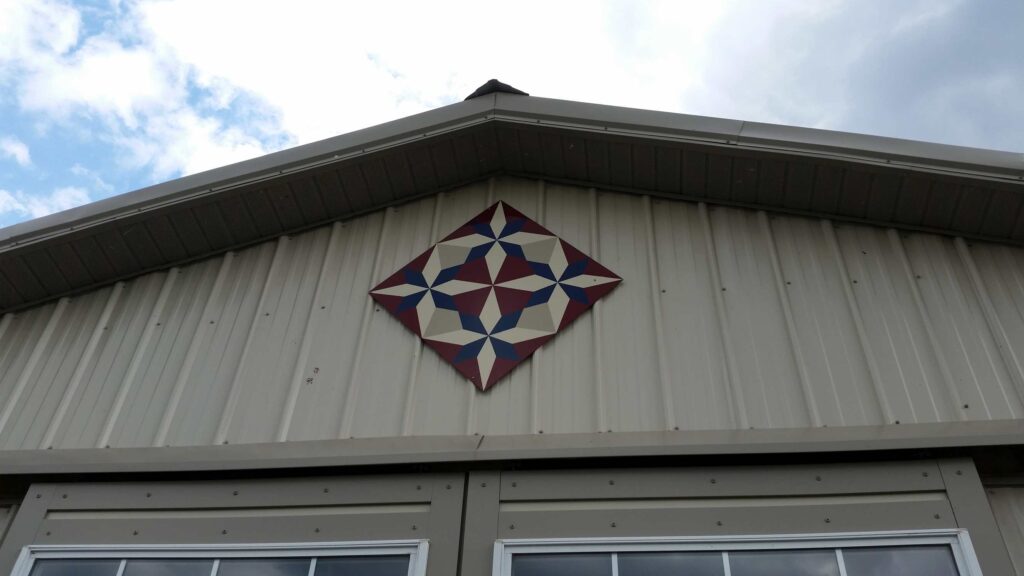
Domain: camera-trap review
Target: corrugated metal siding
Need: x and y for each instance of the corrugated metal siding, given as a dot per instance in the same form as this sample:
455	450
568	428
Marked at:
1008	507
727	318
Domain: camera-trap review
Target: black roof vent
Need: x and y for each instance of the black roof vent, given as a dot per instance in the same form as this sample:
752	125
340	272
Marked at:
493	85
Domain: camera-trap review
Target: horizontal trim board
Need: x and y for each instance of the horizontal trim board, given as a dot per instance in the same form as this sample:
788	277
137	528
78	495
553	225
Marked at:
478	449
237	512
699	503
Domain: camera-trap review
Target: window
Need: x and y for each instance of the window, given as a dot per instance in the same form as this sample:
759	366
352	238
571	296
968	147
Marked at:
405	558
933	553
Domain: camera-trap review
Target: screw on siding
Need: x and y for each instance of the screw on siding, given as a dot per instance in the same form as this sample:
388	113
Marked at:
828	520
817	478
675	427
39	495
613	525
316	530
418	487
234	493
925	474
449	486
64	496
937	517
713	481
966	406
959	472
718	523
896	422
47	532
511	526
148	494
514	484
323	307
540	431
611	482
326	490
223	531
483	484
413	526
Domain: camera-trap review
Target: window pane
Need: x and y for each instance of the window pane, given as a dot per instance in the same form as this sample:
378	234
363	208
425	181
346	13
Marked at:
363	566
75	567
902	560
264	567
784	563
168	567
671	564
562	565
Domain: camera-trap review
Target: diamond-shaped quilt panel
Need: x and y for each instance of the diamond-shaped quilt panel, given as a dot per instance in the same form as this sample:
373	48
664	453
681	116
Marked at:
493	291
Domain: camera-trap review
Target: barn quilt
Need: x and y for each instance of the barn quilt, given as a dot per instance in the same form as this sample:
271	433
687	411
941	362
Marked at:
493	291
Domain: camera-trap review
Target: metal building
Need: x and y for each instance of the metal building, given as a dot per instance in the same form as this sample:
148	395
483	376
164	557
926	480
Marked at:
807	358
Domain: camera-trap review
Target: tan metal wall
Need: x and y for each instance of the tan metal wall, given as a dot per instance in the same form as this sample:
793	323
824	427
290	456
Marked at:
726	318
1008	507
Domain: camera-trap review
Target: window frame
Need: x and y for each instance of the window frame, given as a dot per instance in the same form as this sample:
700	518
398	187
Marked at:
416	550
958	540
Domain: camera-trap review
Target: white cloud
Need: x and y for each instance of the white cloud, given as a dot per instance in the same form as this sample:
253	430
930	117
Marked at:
16	150
20	204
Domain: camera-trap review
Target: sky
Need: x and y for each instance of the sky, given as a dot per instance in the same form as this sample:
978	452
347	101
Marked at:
101	97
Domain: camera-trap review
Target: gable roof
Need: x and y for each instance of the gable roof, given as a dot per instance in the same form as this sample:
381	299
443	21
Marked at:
884	181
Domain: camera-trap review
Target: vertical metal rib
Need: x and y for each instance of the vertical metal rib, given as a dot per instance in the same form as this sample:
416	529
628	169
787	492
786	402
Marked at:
30	366
236	383
1014	365
732	373
601	394
933	339
136	362
667	402
288	411
535	425
81	367
787	312
345	430
193	351
417	350
858	321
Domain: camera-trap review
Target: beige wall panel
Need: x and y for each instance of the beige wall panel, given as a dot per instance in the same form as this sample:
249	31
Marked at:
1008	507
726	318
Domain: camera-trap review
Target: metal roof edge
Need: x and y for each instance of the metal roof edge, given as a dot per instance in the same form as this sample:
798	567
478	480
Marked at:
961	161
402	130
479	449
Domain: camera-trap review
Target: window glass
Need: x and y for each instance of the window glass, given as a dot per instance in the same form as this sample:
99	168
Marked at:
363	566
264	567
784	563
562	565
902	560
168	567
75	567
671	564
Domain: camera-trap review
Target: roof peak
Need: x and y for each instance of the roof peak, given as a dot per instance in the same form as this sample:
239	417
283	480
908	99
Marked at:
494	85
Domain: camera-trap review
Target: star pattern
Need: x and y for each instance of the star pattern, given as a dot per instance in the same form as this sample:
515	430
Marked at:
493	291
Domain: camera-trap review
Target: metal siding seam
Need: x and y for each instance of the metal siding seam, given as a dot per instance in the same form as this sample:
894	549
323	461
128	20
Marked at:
535	360
83	364
731	369
947	374
417	351
30	366
787	312
601	400
659	332
136	361
1013	363
858	320
345	430
234	391
193	351
287	413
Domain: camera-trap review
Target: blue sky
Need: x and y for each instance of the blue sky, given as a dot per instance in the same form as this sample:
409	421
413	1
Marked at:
102	97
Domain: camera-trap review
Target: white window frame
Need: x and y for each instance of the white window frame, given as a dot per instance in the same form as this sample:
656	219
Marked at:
958	540
415	549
